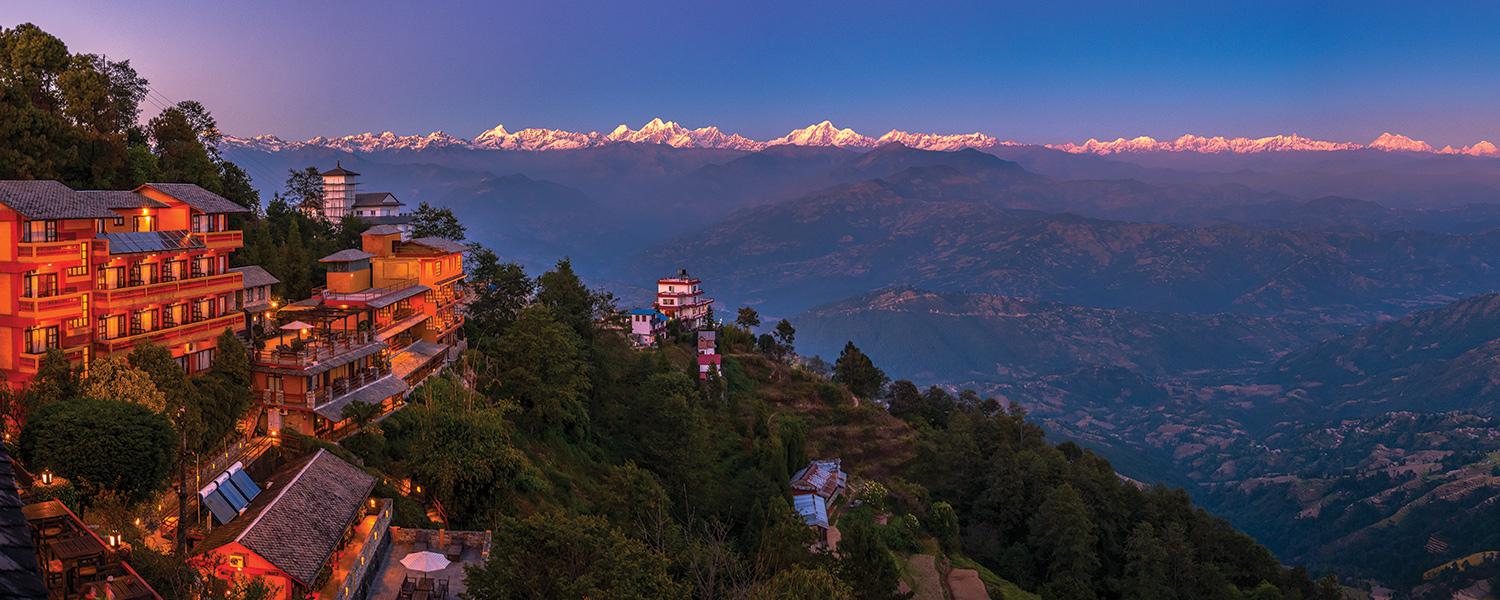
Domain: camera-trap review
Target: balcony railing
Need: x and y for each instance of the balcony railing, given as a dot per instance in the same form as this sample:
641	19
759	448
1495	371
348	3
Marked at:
168	291
51	251
52	307
322	346
336	388
30	362
222	239
367	295
197	329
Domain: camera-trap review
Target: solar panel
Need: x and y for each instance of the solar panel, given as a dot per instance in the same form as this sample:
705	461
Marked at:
235	498
220	507
243	483
133	242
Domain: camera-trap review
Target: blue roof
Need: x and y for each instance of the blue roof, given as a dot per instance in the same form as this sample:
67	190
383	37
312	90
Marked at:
813	509
647	311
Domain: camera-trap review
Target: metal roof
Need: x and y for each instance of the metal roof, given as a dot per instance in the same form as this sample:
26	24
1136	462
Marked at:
813	508
376	199
439	244
197	197
256	276
46	199
349	255
374	393
821	477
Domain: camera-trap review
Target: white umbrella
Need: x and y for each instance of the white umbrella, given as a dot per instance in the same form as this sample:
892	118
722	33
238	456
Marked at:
296	326
425	561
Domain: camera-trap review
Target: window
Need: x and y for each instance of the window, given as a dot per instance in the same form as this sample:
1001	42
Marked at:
39	231
437	268
78	271
111	327
41	339
203	266
173	270
144	223
182	362
35	285
78	323
202	360
110	278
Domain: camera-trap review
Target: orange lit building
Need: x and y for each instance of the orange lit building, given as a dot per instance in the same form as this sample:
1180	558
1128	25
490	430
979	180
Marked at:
390	315
95	273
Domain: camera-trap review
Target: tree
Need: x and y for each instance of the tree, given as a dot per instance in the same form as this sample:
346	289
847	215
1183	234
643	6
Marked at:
113	378
305	188
786	337
905	399
428	221
102	445
802	583
865	563
55	380
1145	566
540	364
942	521
571	302
223	392
747	318
1063	536
856	371
180	150
464	455
500	290
559	555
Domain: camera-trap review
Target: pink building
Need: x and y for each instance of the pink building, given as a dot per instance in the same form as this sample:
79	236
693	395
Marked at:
680	297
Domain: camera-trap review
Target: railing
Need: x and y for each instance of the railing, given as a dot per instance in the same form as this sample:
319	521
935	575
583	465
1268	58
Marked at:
167	291
367	295
222	239
213	325
51	307
51	251
338	387
322	346
29	362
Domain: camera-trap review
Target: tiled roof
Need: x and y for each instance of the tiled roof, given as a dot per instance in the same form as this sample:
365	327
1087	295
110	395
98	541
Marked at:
376	199
121	199
383	230
256	276
339	169
301	517
821	477
197	197
439	244
50	200
349	255
20	575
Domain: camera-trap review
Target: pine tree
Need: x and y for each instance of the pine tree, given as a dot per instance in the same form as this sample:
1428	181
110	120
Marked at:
866	564
1145	566
855	370
1064	538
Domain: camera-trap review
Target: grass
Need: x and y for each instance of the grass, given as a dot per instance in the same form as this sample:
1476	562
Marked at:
999	588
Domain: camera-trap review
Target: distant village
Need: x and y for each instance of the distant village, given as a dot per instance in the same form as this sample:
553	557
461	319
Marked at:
91	275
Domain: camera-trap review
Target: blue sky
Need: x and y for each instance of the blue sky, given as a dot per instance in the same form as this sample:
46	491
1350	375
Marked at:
1039	72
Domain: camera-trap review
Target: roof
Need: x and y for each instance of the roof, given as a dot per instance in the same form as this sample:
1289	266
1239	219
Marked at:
339	169
197	197
707	335
301	517
821	478
382	230
122	199
813	508
374	393
256	276
376	199
648	311
349	255
46	199
20	575
393	297
439	244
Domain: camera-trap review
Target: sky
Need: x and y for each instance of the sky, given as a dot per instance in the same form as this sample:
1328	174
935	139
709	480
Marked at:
1038	72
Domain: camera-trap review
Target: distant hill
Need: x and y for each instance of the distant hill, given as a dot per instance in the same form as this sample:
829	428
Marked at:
929	336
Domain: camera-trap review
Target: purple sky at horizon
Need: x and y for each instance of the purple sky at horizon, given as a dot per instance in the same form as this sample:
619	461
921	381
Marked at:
1031	73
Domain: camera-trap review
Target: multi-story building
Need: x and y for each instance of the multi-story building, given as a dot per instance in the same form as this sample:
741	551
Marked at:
680	297
390	315
342	199
709	360
95	273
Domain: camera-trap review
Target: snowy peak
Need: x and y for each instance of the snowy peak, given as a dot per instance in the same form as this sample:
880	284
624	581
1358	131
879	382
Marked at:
824	134
941	142
532	139
1391	142
1388	142
672	134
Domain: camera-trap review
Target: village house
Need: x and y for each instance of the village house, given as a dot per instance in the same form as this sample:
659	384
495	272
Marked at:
97	273
816	490
680	297
709	360
342	199
390	315
646	326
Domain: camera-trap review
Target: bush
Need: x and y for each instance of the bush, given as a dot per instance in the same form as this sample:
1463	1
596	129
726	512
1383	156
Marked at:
102	445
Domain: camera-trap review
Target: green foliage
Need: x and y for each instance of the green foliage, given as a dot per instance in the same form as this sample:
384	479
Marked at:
464	454
1146	564
747	318
102	445
55	380
500	290
557	555
428	221
856	371
539	363
801	583
942	522
113	378
864	561
573	303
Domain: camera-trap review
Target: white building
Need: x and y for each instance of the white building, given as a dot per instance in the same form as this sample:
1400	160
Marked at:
341	199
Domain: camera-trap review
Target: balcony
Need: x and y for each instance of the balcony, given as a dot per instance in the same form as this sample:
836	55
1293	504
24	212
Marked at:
64	306
170	336
320	350
167	291
218	240
29	362
68	251
334	390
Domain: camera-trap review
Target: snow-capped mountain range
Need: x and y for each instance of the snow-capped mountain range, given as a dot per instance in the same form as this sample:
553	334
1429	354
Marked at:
826	134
